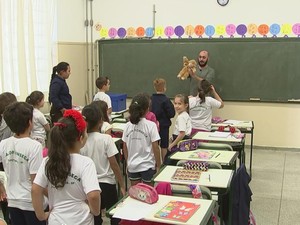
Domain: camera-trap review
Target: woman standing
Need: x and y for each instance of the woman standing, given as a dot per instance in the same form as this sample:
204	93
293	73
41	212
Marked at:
59	94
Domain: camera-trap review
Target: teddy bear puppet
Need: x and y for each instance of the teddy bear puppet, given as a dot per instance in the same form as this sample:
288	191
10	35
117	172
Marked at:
187	65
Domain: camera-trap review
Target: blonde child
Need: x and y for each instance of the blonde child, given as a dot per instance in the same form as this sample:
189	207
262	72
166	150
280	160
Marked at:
103	85
201	106
164	110
102	150
183	124
40	124
140	139
69	178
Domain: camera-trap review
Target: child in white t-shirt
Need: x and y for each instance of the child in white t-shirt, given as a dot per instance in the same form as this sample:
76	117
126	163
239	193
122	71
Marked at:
201	106
70	178
140	138
40	124
183	125
103	85
21	157
102	150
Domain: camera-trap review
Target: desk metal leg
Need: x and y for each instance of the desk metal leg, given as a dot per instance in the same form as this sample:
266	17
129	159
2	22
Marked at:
251	149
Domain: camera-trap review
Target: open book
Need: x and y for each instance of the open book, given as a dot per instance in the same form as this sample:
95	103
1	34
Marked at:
219	134
177	210
202	154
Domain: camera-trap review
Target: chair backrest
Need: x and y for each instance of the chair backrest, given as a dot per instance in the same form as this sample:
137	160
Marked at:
214	165
184	191
214	146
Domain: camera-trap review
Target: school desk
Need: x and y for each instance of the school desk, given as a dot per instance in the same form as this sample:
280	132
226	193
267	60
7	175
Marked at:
225	158
227	138
214	179
128	208
246	127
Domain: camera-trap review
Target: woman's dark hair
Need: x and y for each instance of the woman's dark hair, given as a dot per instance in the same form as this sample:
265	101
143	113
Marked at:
17	116
5	99
35	98
93	115
62	137
204	88
62	66
138	107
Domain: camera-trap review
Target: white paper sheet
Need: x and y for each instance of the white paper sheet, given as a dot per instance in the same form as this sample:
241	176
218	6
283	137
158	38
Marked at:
232	122
220	134
133	210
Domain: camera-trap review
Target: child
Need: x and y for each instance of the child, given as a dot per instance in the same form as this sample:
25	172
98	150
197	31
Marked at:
201	106
40	124
103	84
140	137
164	110
69	178
21	157
5	99
102	149
106	127
183	124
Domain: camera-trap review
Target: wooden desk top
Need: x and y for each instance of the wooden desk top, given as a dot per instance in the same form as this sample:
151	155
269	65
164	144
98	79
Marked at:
212	178
201	216
222	157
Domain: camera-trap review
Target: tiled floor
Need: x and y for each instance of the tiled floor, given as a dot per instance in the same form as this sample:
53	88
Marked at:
276	187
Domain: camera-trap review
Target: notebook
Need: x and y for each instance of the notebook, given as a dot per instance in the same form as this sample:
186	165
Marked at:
178	211
202	154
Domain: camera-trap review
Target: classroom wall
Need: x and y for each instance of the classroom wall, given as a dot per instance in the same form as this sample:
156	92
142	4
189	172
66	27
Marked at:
276	125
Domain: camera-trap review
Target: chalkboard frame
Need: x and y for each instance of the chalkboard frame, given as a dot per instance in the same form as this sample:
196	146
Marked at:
277	54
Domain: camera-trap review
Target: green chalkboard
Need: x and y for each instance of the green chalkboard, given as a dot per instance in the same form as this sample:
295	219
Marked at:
245	68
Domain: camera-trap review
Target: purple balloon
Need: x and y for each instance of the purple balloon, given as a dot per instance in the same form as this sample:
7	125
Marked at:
241	29
121	32
179	31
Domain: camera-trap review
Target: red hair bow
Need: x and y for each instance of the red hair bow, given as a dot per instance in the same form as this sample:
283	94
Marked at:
78	118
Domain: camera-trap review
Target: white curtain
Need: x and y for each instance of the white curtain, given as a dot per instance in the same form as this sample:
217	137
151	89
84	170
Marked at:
28	45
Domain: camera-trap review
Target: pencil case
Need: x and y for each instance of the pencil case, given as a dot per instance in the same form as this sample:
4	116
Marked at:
187	145
144	193
194	165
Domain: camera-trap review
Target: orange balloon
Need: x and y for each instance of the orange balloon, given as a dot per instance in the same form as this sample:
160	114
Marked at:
199	30
263	29
140	31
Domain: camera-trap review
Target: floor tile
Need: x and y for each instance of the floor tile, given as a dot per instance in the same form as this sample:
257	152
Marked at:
265	210
289	212
291	186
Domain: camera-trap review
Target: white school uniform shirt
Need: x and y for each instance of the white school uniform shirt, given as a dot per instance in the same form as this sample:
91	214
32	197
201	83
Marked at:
67	205
103	97
99	147
139	138
183	123
201	113
39	121
20	157
105	127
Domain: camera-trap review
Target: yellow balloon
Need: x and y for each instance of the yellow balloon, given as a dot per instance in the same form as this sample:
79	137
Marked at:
159	31
220	30
130	32
103	32
189	30
252	29
286	29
